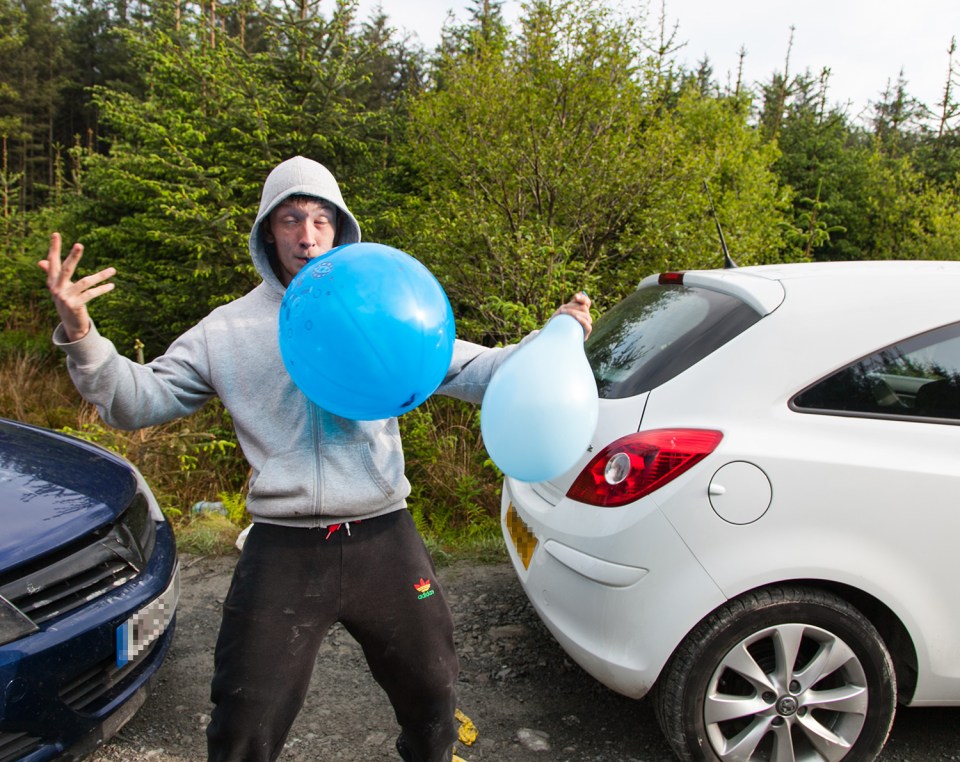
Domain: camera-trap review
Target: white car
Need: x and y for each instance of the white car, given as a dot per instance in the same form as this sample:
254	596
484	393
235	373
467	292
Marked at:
764	531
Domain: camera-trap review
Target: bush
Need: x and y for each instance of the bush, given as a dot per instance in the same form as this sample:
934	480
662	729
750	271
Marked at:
456	487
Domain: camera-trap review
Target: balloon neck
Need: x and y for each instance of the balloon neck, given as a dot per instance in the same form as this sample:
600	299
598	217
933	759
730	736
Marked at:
565	325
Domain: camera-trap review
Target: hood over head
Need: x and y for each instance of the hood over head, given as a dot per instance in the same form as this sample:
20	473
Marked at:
295	177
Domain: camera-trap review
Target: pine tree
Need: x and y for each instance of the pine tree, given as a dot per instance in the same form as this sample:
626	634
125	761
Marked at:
172	202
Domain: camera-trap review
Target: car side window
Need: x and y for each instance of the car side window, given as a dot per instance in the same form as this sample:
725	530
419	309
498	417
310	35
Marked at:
918	377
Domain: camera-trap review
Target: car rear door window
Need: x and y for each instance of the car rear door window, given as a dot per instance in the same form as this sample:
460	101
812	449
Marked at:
656	333
918	377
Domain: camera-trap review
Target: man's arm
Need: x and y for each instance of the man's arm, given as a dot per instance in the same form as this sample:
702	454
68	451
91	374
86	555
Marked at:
127	394
473	366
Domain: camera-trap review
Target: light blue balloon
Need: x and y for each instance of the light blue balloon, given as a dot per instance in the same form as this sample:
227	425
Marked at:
366	331
540	409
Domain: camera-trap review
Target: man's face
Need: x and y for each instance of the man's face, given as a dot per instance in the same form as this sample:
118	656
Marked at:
301	229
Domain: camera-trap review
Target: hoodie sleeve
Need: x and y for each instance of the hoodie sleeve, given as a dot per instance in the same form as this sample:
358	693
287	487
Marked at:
129	395
473	366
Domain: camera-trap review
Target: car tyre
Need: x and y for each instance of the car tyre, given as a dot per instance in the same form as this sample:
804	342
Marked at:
783	673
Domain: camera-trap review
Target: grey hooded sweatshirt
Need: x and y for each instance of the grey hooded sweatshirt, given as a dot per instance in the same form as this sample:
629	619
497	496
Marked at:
309	468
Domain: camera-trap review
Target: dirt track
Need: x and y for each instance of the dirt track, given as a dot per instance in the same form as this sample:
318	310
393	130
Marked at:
528	701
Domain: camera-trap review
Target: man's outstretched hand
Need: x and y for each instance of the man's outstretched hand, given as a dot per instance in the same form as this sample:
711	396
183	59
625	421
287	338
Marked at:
70	297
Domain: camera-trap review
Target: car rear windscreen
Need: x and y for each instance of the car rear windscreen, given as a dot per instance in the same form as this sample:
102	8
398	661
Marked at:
656	333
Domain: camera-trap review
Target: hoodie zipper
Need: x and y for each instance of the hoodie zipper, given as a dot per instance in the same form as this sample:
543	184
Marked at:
315	433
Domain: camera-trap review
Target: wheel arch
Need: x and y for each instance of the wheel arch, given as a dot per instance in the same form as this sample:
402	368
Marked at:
679	693
902	649
892	630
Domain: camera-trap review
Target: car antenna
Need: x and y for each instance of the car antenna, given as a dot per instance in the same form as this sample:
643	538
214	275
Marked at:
728	262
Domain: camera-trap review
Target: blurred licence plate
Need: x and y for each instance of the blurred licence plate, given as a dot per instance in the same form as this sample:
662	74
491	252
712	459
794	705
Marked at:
524	540
149	623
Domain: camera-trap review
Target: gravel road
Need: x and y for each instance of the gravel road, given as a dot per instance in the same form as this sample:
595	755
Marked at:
526	698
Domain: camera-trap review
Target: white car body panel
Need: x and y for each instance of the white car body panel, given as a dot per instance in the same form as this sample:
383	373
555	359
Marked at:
845	507
620	635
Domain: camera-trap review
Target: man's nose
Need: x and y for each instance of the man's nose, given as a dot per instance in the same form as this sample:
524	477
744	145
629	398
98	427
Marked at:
306	238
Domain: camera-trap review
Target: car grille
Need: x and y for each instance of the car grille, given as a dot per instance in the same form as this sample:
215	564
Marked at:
81	692
16	746
79	575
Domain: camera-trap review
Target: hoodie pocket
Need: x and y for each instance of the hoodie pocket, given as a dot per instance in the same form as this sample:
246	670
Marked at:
284	486
356	479
340	481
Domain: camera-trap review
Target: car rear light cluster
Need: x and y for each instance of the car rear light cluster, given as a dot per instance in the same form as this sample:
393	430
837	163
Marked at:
640	463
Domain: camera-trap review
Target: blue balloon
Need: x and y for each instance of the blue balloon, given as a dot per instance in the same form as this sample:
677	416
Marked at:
541	407
366	331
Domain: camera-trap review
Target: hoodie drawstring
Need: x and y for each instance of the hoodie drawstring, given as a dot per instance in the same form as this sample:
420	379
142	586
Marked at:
335	527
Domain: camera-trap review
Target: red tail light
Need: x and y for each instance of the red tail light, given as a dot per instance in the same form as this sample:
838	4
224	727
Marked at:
640	463
671	279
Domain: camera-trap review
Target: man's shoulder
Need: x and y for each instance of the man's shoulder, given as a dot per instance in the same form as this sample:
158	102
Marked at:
258	298
259	305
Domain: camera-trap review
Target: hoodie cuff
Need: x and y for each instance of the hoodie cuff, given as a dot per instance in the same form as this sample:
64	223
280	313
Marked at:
89	350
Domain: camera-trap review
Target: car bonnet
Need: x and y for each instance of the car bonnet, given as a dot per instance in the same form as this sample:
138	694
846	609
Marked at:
53	490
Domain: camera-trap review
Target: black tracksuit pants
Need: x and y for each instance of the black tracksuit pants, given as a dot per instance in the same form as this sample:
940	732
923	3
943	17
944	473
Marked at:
289	587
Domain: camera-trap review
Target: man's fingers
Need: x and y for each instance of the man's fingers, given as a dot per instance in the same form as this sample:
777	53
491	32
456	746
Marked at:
55	242
92	280
69	265
58	270
93	293
84	289
51	265
579	308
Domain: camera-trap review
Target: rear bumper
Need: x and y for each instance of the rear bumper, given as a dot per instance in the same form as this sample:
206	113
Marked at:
619	614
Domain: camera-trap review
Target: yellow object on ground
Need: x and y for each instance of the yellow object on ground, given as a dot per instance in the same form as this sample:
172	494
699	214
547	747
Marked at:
468	731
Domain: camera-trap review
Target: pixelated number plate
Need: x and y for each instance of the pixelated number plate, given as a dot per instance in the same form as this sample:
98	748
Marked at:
524	540
136	634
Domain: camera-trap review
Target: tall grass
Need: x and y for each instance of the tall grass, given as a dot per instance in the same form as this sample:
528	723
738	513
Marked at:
32	392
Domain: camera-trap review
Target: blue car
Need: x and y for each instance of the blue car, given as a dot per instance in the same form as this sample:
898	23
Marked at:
89	584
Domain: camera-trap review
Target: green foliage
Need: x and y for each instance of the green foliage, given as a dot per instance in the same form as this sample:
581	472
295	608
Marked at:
235	505
16	341
172	204
814	231
33	66
708	140
859	194
456	491
554	163
207	535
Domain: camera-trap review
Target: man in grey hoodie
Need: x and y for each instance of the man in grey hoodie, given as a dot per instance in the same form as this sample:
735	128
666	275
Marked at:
331	541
